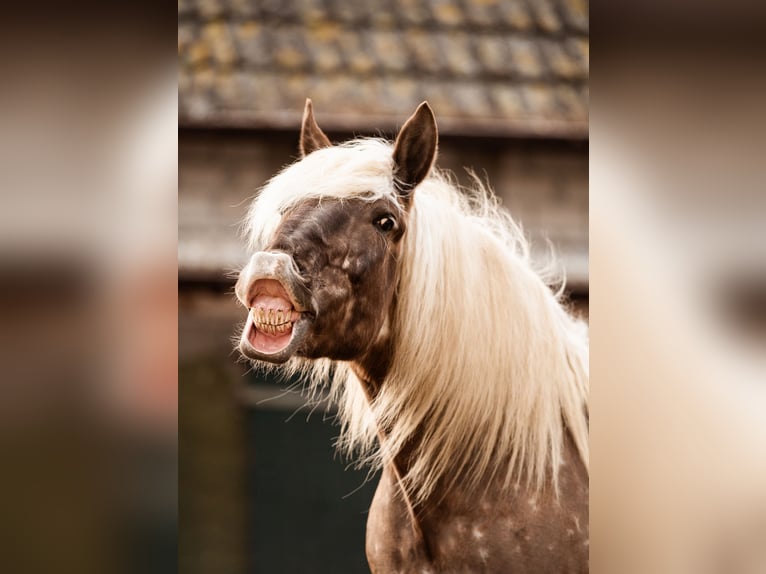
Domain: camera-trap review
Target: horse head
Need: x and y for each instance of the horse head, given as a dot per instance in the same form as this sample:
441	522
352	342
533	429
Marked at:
322	283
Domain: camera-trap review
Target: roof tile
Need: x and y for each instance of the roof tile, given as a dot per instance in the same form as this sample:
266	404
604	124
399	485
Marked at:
367	91
358	52
186	8
571	102
379	13
349	12
576	14
282	10
495	54
439	96
325	51
289	51
204	79
516	15
508	100
295	87
247	90
198	53
243	8
580	48
253	42
471	98
313	11
327	92
390	50
186	33
458	53
336	91
526	58
268	91
545	15
210	8
541	98
447	12
561	63
401	94
426	54
226	87
413	12
483	13
218	36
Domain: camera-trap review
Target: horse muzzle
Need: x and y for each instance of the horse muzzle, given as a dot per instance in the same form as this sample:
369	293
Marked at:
279	305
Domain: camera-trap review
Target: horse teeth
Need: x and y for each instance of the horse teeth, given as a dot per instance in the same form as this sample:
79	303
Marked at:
272	321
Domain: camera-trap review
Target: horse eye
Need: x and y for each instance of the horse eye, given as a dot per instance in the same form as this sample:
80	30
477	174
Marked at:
385	223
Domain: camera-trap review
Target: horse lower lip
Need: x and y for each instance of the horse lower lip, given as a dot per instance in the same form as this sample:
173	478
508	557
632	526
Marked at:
266	343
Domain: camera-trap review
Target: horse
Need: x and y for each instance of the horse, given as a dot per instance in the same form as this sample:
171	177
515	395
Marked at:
456	367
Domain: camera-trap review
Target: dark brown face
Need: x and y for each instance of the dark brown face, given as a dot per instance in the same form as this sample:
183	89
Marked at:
344	256
325	284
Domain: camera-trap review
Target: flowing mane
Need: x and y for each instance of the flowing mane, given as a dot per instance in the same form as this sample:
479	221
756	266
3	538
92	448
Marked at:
488	365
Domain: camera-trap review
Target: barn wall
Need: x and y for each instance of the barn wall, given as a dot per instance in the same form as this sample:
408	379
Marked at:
543	183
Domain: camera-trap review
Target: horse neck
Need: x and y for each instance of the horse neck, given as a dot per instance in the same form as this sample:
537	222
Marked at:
371	370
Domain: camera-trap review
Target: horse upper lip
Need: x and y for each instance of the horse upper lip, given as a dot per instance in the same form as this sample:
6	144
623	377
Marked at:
276	266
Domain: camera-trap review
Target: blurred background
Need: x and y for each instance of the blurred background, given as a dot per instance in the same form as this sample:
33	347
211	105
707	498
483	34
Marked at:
260	487
678	287
88	380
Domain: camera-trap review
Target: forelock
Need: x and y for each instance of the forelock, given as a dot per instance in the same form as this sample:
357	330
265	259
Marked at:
359	169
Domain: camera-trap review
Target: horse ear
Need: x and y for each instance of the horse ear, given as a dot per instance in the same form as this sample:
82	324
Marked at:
312	137
415	150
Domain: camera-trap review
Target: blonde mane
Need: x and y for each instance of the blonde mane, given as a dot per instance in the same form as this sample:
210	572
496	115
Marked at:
488	366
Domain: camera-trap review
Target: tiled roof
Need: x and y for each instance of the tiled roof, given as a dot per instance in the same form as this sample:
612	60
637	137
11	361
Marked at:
486	66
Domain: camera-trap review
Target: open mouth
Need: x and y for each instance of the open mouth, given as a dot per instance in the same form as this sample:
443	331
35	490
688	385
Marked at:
275	325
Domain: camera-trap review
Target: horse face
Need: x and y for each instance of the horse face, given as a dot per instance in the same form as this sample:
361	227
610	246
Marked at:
325	284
